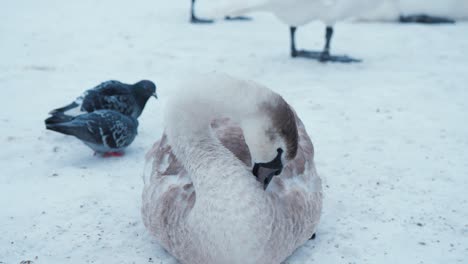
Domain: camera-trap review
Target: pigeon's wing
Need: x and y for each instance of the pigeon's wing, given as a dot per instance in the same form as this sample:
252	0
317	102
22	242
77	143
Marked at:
86	130
117	98
57	118
110	128
110	88
123	131
122	103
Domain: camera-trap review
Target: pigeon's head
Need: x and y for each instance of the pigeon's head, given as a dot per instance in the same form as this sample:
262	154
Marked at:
145	89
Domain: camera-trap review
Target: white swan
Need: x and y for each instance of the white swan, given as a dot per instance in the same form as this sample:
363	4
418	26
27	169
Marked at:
203	203
296	13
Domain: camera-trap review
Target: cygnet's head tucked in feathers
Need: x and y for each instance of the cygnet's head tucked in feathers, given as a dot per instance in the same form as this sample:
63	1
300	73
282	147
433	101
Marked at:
267	121
275	144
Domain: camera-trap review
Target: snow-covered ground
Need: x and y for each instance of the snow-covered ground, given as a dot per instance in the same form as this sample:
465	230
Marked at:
391	133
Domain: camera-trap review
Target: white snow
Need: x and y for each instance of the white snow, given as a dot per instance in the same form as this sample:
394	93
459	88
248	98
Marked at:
390	133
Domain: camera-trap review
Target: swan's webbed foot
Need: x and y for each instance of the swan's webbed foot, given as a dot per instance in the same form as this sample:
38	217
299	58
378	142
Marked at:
322	56
312	237
196	20
425	19
238	18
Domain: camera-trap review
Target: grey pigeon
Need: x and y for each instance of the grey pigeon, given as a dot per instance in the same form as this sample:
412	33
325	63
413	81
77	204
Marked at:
107	132
127	99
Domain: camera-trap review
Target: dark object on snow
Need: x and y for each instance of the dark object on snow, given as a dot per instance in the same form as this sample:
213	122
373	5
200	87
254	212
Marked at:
104	131
237	18
425	19
111	95
313	236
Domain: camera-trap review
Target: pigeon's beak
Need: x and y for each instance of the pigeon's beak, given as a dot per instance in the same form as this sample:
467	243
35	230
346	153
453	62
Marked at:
265	171
155	95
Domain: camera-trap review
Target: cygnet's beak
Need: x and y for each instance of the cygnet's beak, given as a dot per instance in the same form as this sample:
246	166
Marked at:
265	171
155	95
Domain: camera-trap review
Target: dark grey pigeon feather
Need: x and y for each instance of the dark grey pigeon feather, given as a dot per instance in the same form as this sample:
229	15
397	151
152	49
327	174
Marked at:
112	95
104	131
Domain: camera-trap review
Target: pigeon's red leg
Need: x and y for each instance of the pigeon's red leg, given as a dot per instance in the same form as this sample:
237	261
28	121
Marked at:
112	154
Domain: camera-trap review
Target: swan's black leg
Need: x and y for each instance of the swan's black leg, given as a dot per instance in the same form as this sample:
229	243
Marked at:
326	50
194	19
301	53
238	18
322	56
425	19
292	31
312	237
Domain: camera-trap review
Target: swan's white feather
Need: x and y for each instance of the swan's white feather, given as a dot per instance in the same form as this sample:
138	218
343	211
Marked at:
299	12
